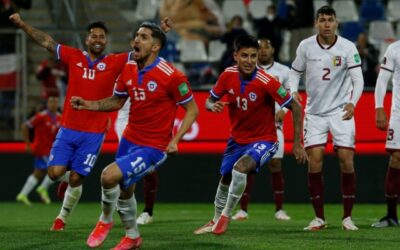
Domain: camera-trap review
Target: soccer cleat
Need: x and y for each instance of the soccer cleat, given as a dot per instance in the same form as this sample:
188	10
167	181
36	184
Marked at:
281	215
316	224
386	222
221	225
207	228
58	225
240	215
348	224
144	218
99	234
24	199
62	187
127	243
44	195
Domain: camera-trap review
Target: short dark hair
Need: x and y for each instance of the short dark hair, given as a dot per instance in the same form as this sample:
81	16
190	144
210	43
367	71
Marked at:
98	24
245	41
325	10
156	32
267	40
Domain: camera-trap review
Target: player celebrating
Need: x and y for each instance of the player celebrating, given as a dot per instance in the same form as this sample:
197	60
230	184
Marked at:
281	72
45	125
155	88
389	67
334	83
81	134
251	96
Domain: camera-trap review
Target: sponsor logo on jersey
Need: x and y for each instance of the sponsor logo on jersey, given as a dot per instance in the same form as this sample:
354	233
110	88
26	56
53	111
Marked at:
183	89
101	66
282	91
357	58
152	86
337	61
231	92
252	96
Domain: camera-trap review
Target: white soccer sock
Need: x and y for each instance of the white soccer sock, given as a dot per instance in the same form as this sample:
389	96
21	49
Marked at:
46	182
220	200
29	185
127	212
236	189
65	177
71	198
109	199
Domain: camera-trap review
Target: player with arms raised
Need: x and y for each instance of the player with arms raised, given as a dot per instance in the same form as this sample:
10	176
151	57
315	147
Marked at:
334	83
251	96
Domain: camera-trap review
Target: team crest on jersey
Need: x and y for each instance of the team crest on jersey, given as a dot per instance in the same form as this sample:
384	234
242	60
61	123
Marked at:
337	60
101	66
252	96
152	86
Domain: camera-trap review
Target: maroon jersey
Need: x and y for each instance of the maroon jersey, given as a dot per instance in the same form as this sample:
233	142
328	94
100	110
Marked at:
251	104
45	126
155	92
91	80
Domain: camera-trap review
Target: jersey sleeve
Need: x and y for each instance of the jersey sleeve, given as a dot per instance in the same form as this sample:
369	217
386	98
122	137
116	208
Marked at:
181	90
120	88
279	93
299	63
64	53
219	89
353	57
121	59
388	60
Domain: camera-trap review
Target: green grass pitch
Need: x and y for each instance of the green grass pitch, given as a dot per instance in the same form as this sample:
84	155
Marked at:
24	227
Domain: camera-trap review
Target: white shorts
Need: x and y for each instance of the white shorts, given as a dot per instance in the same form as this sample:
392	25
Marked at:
393	134
281	140
316	130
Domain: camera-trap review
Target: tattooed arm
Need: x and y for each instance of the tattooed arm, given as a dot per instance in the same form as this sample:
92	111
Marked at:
38	36
107	104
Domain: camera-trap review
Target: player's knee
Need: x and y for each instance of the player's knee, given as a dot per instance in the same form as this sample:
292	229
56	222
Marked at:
109	178
395	160
275	166
315	164
55	173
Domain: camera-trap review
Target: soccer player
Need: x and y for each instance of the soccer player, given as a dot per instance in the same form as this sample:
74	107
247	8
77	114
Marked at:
281	72
78	142
334	84
155	88
45	125
251	96
389	67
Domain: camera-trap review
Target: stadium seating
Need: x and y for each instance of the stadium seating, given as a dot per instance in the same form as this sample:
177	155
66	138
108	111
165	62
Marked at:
346	10
372	10
351	30
258	8
146	9
215	50
232	8
318	4
380	31
393	10
192	51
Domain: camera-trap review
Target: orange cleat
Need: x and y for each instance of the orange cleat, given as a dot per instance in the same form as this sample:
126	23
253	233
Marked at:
58	225
207	228
99	234
127	243
221	225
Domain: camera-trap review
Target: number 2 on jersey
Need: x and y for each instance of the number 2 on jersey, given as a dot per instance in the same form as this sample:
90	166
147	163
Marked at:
326	76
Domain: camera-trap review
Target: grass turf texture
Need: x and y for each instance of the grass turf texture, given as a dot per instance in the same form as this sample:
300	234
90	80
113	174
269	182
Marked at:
24	227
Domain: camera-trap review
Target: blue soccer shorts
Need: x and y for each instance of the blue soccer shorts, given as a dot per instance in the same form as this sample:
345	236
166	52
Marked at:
76	150
260	151
136	161
40	162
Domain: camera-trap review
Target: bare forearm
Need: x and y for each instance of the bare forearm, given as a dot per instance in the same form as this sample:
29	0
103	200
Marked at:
108	104
297	121
190	117
41	38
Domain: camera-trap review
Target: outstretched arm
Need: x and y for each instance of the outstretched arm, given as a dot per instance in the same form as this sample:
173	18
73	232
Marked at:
166	24
111	103
190	117
38	36
298	150
215	106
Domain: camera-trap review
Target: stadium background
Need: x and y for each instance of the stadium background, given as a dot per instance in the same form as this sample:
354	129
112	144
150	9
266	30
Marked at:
200	156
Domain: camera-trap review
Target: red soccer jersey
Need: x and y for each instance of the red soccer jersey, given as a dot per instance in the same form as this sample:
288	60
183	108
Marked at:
251	104
155	92
91	80
45	127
